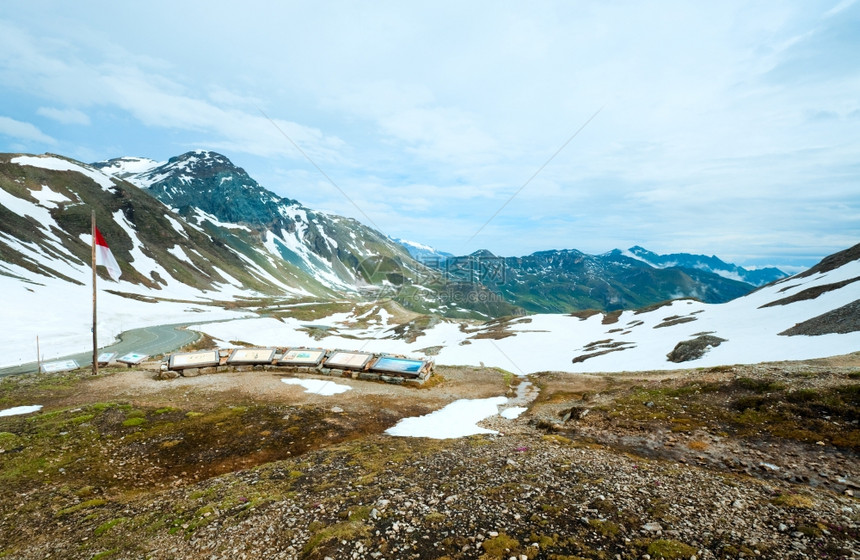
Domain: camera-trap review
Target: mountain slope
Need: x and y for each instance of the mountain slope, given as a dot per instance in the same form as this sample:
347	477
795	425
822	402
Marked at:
679	334
340	254
156	248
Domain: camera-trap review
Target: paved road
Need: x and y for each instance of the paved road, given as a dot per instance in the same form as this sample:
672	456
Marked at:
147	340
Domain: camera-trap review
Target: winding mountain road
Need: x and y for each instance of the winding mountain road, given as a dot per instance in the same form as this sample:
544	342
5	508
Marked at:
151	341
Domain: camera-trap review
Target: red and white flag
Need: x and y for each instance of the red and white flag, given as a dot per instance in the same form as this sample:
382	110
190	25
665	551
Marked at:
105	258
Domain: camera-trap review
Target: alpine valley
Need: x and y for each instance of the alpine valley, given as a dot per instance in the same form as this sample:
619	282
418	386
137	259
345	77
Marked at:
199	240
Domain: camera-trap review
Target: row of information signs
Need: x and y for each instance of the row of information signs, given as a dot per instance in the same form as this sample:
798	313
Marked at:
105	358
299	357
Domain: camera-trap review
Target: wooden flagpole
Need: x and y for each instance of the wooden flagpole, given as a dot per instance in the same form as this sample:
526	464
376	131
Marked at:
95	336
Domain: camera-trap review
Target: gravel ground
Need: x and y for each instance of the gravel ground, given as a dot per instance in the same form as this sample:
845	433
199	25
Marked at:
542	488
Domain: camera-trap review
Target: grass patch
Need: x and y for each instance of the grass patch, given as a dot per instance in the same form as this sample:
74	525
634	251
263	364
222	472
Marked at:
604	528
500	546
798	501
743	407
8	440
670	549
97	502
108	525
348	531
758	385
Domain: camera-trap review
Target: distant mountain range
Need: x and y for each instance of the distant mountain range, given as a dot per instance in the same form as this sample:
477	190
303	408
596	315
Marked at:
200	226
566	280
756	277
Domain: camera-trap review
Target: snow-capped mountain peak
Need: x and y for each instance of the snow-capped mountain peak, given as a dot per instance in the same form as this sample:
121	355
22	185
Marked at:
127	166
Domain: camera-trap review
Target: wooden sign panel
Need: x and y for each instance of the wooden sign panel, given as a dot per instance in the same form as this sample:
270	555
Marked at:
251	356
348	360
206	358
302	357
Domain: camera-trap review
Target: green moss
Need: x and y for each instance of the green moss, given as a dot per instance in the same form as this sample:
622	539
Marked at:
97	502
435	517
793	501
604	528
8	440
205	493
361	513
82	419
349	531
670	549
105	554
108	525
500	546
133	422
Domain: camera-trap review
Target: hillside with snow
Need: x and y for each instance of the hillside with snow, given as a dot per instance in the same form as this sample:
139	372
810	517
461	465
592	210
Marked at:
198	240
755	328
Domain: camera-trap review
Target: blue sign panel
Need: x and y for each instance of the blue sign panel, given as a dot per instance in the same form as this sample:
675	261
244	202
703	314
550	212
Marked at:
398	365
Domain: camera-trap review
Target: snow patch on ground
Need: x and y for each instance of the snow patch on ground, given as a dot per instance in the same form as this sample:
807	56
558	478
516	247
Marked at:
512	412
458	419
20	410
319	386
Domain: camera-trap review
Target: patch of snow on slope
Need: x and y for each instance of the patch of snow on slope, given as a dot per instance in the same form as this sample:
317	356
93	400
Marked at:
458	419
49	198
551	342
141	262
321	229
16	410
229	279
201	216
57	164
265	276
24	208
319	386
313	264
176	225
125	166
60	260
177	252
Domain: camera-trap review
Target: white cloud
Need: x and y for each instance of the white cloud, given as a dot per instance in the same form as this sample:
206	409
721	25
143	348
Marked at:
23	131
712	120
841	6
65	116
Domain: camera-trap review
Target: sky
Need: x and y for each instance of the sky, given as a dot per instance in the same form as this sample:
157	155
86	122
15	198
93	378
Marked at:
722	128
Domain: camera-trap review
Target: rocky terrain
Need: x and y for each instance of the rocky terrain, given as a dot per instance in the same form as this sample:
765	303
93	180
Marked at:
727	462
